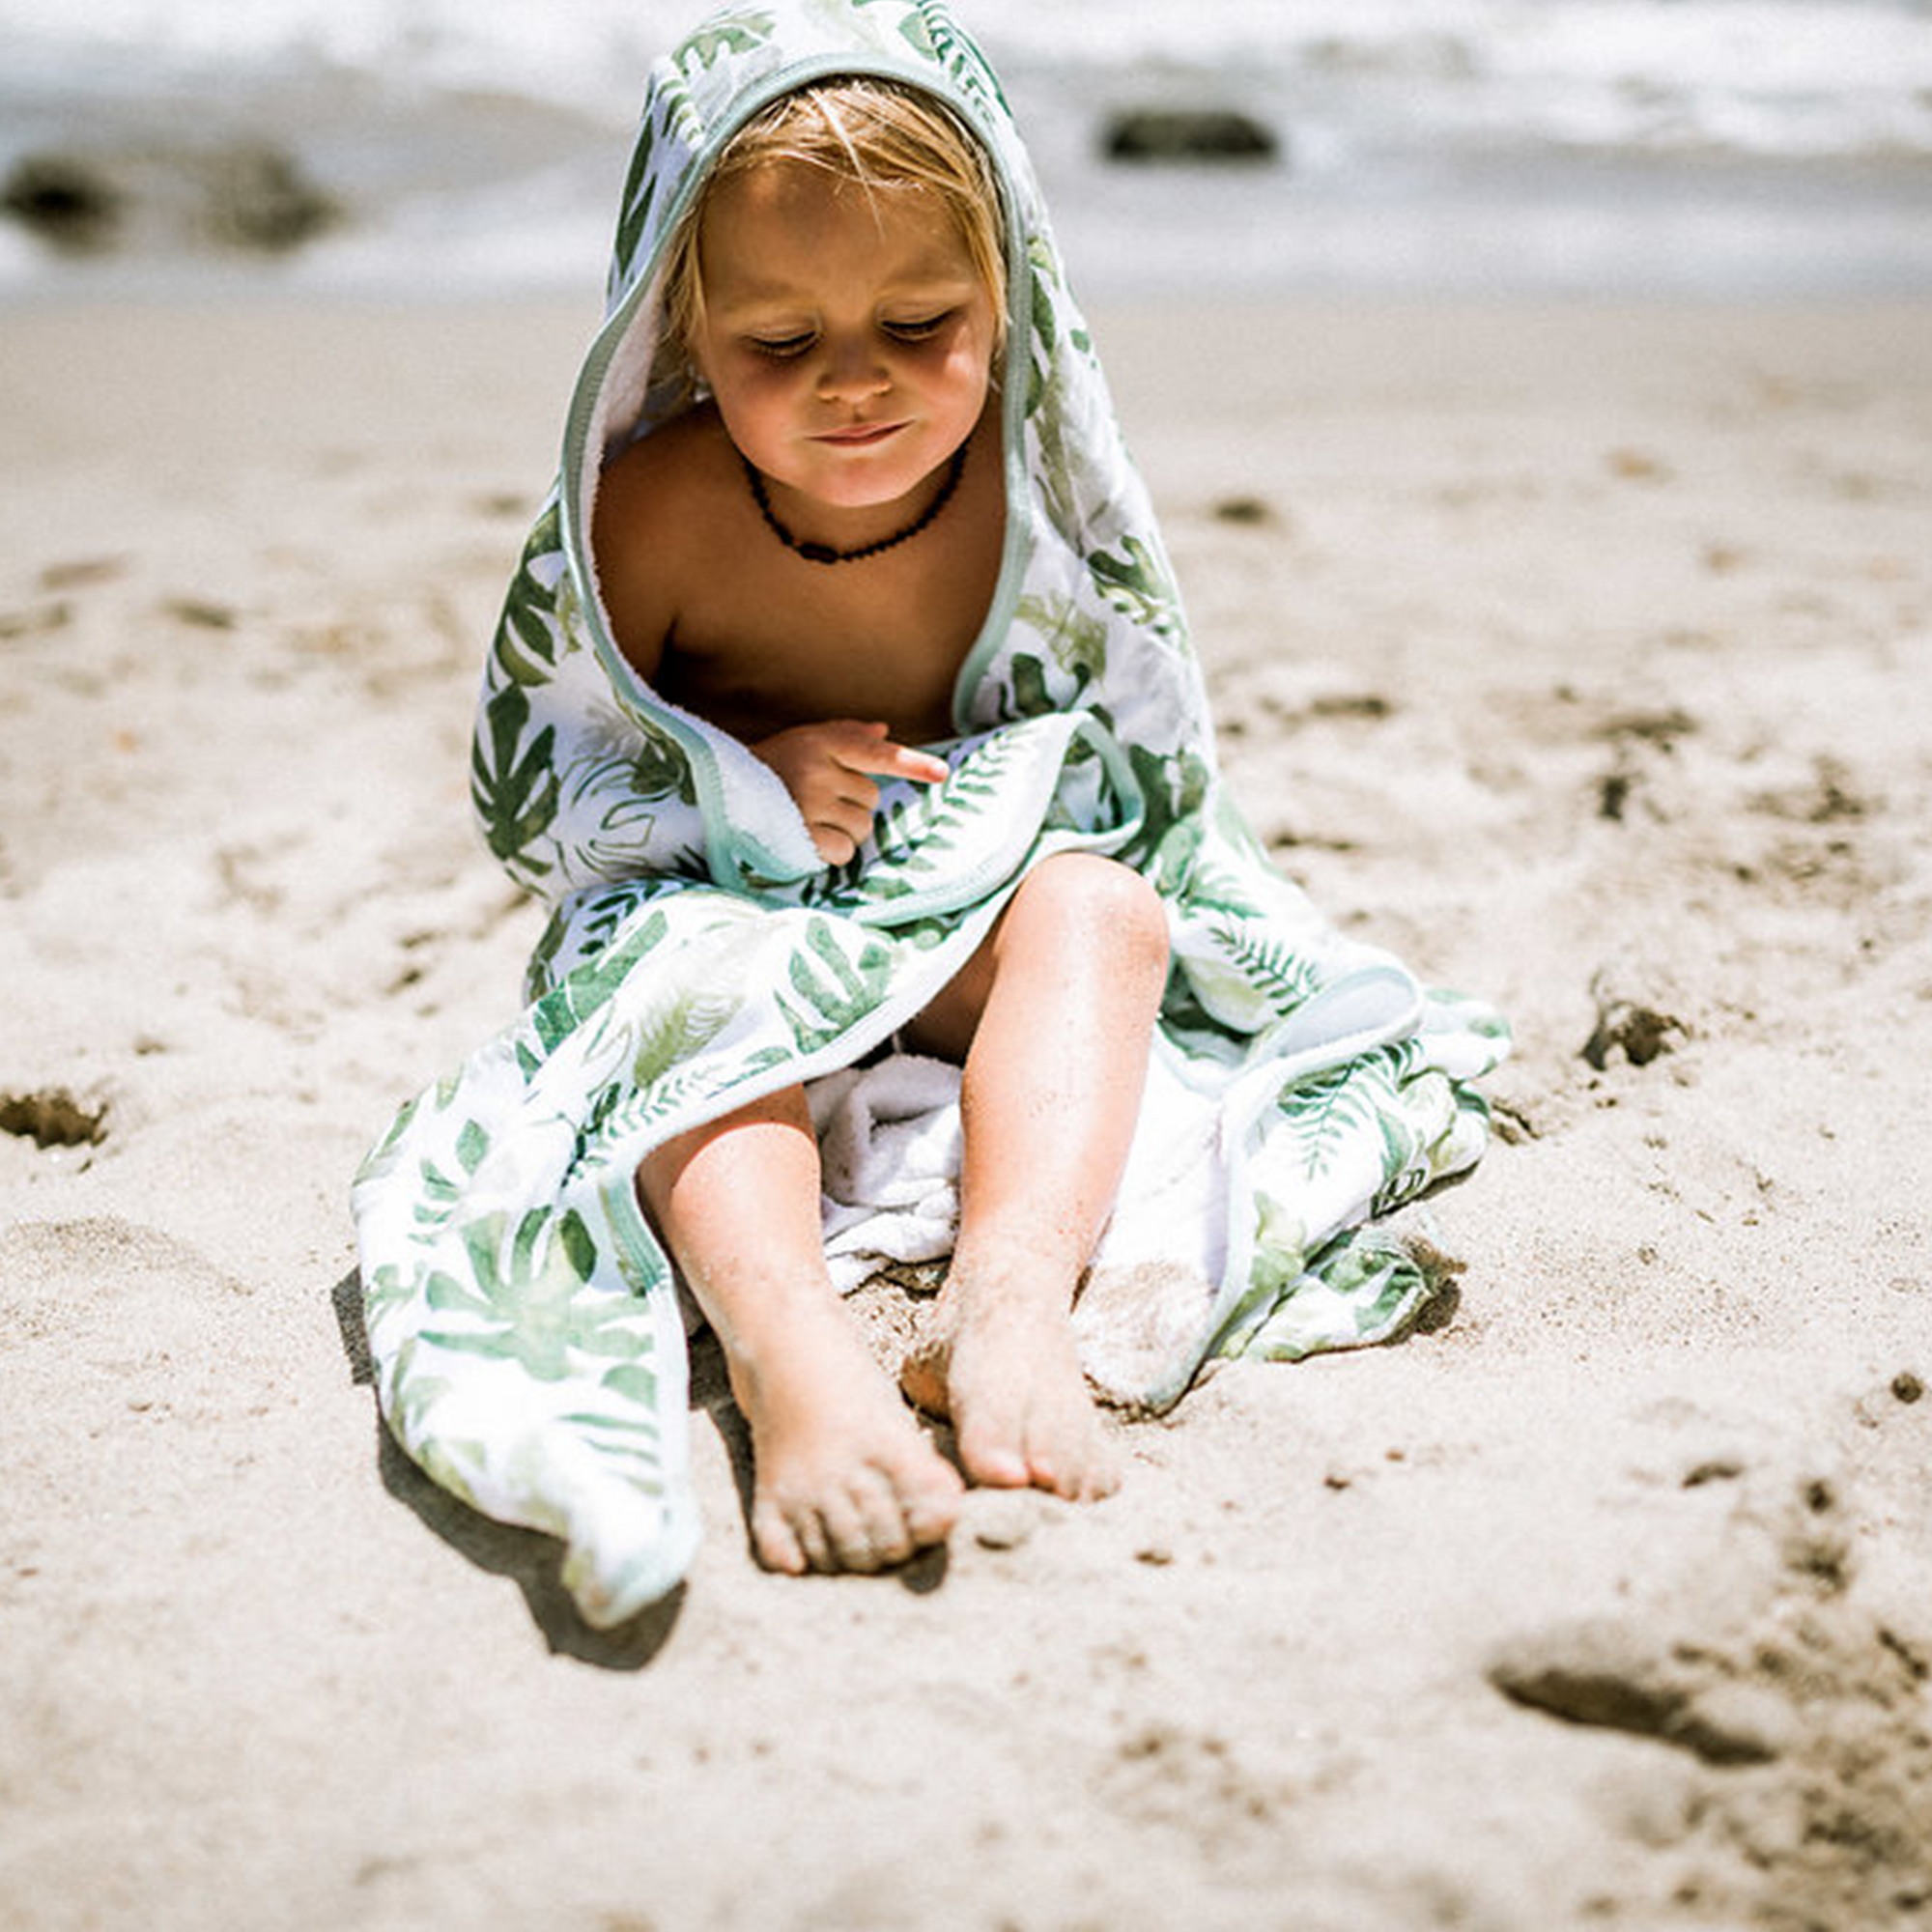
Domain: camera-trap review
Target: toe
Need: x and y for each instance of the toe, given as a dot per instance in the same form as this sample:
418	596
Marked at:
932	1506
1067	1454
886	1535
989	1451
1099	1468
1101	1477
777	1544
813	1533
847	1534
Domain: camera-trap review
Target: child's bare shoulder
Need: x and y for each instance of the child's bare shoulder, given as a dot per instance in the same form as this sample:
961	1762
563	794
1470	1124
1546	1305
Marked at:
655	502
668	479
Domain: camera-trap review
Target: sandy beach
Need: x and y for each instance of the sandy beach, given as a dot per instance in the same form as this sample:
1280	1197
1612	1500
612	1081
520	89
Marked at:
1581	653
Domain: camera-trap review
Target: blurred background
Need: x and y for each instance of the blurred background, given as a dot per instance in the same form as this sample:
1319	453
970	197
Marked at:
464	146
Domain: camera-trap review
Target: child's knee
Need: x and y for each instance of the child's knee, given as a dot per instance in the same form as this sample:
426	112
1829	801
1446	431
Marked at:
1107	904
662	1169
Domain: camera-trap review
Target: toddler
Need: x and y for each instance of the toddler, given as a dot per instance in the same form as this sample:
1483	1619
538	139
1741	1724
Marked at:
842	701
804	559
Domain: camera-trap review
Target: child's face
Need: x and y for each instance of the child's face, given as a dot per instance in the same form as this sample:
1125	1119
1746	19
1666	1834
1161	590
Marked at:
847	341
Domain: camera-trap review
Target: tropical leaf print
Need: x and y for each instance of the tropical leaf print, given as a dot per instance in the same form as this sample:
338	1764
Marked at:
678	1030
538	976
1059	461
1039	370
1280	1251
730	32
637	1383
660	768
967	65
436	1196
386	1289
936	820
560	1014
1416	1134
1173	787
925	836
1220	887
1080	649
607	823
1139	585
417	1393
621	1113
1077	639
525	1299
636	216
1237	839
627	1437
513	785
913	29
528	635
580	929
641	184
1326	1112
835	990
1361	1286
913	835
1031	697
1267	960
473	1145
1381	1284
1276	1260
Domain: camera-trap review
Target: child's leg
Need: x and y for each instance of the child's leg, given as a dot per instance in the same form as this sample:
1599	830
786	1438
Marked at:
843	1478
1053	1019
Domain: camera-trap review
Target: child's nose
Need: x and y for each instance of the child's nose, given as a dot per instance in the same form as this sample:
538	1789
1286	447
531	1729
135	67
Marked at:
852	372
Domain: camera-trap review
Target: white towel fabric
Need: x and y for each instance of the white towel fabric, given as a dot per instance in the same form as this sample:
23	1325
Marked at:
889	1143
890	1146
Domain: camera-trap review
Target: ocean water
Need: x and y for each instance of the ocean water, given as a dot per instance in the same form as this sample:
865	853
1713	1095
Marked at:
1675	146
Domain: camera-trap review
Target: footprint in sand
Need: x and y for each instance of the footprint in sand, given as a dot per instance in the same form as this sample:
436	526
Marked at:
51	1116
1802	1698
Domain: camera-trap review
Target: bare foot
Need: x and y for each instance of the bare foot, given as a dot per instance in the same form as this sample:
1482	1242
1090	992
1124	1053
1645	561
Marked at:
843	1476
1005	1369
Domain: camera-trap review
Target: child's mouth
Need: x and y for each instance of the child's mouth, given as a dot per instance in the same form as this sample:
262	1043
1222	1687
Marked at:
861	434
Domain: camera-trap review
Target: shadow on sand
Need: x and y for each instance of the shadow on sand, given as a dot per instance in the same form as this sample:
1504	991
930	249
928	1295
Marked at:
534	1561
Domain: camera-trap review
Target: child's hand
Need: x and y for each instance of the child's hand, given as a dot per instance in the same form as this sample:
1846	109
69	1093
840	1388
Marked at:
828	769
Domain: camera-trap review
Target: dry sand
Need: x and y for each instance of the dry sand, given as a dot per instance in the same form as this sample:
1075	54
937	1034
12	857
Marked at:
1584	655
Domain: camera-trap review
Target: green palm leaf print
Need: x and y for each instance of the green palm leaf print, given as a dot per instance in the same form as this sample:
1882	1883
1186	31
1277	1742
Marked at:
527	1299
514	784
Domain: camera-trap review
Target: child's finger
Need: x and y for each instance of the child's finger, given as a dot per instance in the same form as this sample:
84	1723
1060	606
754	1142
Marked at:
838	785
834	847
879	755
850	818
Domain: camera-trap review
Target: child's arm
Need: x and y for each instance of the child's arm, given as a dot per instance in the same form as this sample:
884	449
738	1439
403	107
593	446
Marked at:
828	769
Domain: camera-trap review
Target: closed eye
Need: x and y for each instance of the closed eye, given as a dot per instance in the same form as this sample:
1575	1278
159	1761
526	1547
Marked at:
920	328
780	348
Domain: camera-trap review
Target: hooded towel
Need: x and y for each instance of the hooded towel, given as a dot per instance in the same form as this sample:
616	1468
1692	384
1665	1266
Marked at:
524	1323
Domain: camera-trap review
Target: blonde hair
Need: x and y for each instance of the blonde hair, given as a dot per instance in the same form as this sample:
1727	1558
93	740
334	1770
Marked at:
879	136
